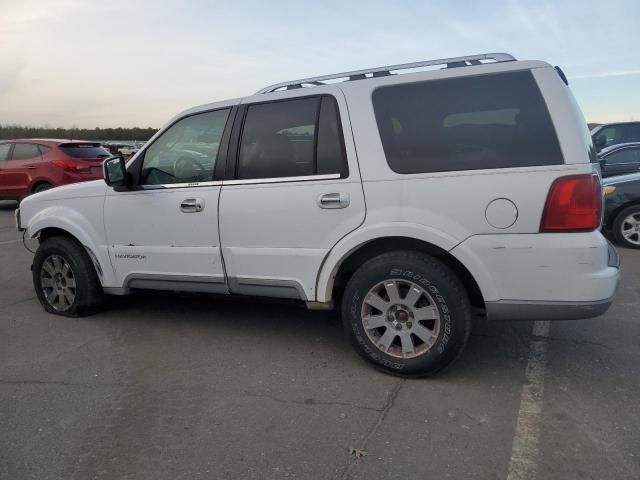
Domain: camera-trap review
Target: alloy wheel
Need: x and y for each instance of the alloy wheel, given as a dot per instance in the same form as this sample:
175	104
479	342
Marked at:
400	318
58	283
630	228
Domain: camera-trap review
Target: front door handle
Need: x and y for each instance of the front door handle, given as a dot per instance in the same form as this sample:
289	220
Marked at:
192	205
334	200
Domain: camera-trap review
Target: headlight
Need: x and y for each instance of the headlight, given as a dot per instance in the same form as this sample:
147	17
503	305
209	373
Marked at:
608	190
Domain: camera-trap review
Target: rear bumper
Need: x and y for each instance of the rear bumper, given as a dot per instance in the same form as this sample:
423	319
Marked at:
521	310
543	276
516	311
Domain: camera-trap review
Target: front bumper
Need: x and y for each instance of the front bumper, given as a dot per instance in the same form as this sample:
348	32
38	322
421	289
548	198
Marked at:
16	216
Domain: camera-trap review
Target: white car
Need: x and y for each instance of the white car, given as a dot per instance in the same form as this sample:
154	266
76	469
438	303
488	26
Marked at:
410	200
128	150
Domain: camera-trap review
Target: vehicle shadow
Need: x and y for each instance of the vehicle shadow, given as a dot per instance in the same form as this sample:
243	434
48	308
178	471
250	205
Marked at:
272	325
8	204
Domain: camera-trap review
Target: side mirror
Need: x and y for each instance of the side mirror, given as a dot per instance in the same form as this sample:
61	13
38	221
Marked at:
600	141
602	162
114	172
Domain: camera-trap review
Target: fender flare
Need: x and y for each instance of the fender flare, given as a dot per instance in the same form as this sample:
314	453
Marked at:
72	222
360	237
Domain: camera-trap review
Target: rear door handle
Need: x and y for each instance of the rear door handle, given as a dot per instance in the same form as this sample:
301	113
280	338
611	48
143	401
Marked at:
31	167
192	205
334	200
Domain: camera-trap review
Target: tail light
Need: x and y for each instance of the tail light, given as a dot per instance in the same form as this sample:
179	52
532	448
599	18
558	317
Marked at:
71	166
574	204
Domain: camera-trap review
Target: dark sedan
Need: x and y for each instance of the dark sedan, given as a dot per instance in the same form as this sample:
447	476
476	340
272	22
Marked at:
622	208
620	159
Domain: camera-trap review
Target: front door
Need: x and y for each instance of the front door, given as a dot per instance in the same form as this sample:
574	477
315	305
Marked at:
163	232
296	191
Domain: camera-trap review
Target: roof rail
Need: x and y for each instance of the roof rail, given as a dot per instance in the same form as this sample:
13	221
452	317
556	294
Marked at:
384	71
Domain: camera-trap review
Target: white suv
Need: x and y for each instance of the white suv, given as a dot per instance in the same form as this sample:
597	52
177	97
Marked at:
412	200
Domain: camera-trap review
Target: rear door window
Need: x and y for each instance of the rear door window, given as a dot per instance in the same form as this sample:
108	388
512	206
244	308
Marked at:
277	139
292	138
24	151
4	151
470	123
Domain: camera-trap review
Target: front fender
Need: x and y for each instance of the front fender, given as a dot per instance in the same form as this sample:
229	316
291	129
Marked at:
90	235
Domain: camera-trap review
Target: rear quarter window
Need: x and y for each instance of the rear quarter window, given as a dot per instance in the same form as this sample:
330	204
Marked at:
470	123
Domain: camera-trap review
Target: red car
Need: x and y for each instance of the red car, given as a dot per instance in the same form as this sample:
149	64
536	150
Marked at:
31	166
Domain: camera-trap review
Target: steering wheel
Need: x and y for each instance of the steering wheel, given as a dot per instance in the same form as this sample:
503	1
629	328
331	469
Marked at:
187	168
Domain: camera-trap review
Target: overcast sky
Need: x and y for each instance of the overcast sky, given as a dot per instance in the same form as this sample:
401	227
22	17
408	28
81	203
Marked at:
104	63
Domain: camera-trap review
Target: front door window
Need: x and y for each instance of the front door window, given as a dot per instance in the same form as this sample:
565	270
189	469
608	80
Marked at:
186	152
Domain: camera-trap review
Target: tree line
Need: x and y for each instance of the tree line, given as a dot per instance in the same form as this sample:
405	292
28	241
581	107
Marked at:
8	132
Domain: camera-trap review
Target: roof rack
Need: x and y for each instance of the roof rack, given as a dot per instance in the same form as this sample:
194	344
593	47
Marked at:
385	71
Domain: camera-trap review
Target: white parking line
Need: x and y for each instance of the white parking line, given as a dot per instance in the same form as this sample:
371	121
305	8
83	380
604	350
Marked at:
524	451
10	241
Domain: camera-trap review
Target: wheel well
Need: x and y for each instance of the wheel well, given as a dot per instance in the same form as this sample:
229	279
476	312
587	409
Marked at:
387	244
59	232
616	212
37	184
54	232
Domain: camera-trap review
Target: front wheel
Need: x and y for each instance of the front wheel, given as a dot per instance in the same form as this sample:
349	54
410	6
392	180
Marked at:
407	313
64	278
626	227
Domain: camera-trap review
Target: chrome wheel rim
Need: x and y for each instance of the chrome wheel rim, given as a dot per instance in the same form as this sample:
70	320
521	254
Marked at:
401	318
631	228
58	283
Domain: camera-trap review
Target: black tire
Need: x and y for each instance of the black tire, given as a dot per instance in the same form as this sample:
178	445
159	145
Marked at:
442	288
88	294
42	187
619	222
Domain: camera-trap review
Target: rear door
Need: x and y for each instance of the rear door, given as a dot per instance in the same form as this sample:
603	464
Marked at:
16	172
293	193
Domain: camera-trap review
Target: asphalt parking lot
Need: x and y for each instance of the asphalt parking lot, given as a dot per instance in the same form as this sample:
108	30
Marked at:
169	386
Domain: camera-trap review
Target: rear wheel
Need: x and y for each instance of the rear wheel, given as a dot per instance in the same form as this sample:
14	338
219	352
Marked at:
64	278
407	313
626	227
42	187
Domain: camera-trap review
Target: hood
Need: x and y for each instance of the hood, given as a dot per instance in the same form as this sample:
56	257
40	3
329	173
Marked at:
93	188
62	201
630	177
